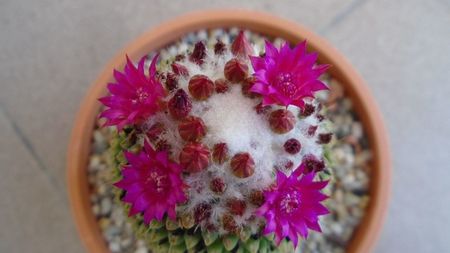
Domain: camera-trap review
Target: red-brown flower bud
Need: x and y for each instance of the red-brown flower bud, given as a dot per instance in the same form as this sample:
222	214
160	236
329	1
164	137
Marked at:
220	153
320	117
292	146
288	165
179	69
219	47
242	165
180	57
201	87
307	110
221	85
192	129
155	131
194	157
312	130
236	206
217	185
260	109
247	85
202	212
312	163
281	121
180	105
324	138
199	53
257	198
235	70
241	47
171	81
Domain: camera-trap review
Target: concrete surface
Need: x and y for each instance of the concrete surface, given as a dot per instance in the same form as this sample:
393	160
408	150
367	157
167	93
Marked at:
50	51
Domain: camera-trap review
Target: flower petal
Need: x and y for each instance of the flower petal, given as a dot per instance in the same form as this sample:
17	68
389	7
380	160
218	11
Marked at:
257	63
134	97
289	74
271	50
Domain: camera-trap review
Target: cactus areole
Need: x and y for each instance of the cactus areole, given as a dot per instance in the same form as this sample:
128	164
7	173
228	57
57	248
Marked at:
220	150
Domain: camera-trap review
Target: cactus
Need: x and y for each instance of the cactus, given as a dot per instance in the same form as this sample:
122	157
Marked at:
213	145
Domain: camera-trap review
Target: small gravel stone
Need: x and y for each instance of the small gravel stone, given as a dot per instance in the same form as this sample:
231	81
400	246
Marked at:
114	247
126	243
96	209
100	142
111	232
118	216
105	206
141	250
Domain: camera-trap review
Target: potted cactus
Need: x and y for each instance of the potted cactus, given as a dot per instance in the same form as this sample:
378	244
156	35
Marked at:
222	147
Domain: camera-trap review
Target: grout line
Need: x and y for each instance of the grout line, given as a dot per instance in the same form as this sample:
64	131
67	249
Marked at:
31	150
341	16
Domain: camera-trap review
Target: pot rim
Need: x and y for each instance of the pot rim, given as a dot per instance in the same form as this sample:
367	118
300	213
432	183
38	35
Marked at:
368	230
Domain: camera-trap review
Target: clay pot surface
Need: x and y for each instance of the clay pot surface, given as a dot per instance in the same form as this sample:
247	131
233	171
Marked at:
368	231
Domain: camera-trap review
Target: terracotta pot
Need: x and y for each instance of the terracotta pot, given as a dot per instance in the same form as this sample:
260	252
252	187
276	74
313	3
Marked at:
80	143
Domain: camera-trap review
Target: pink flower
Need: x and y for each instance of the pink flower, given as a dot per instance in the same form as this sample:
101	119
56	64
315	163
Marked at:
293	206
134	97
287	76
152	184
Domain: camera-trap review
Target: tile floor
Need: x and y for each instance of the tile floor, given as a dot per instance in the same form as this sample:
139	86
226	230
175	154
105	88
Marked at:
52	50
